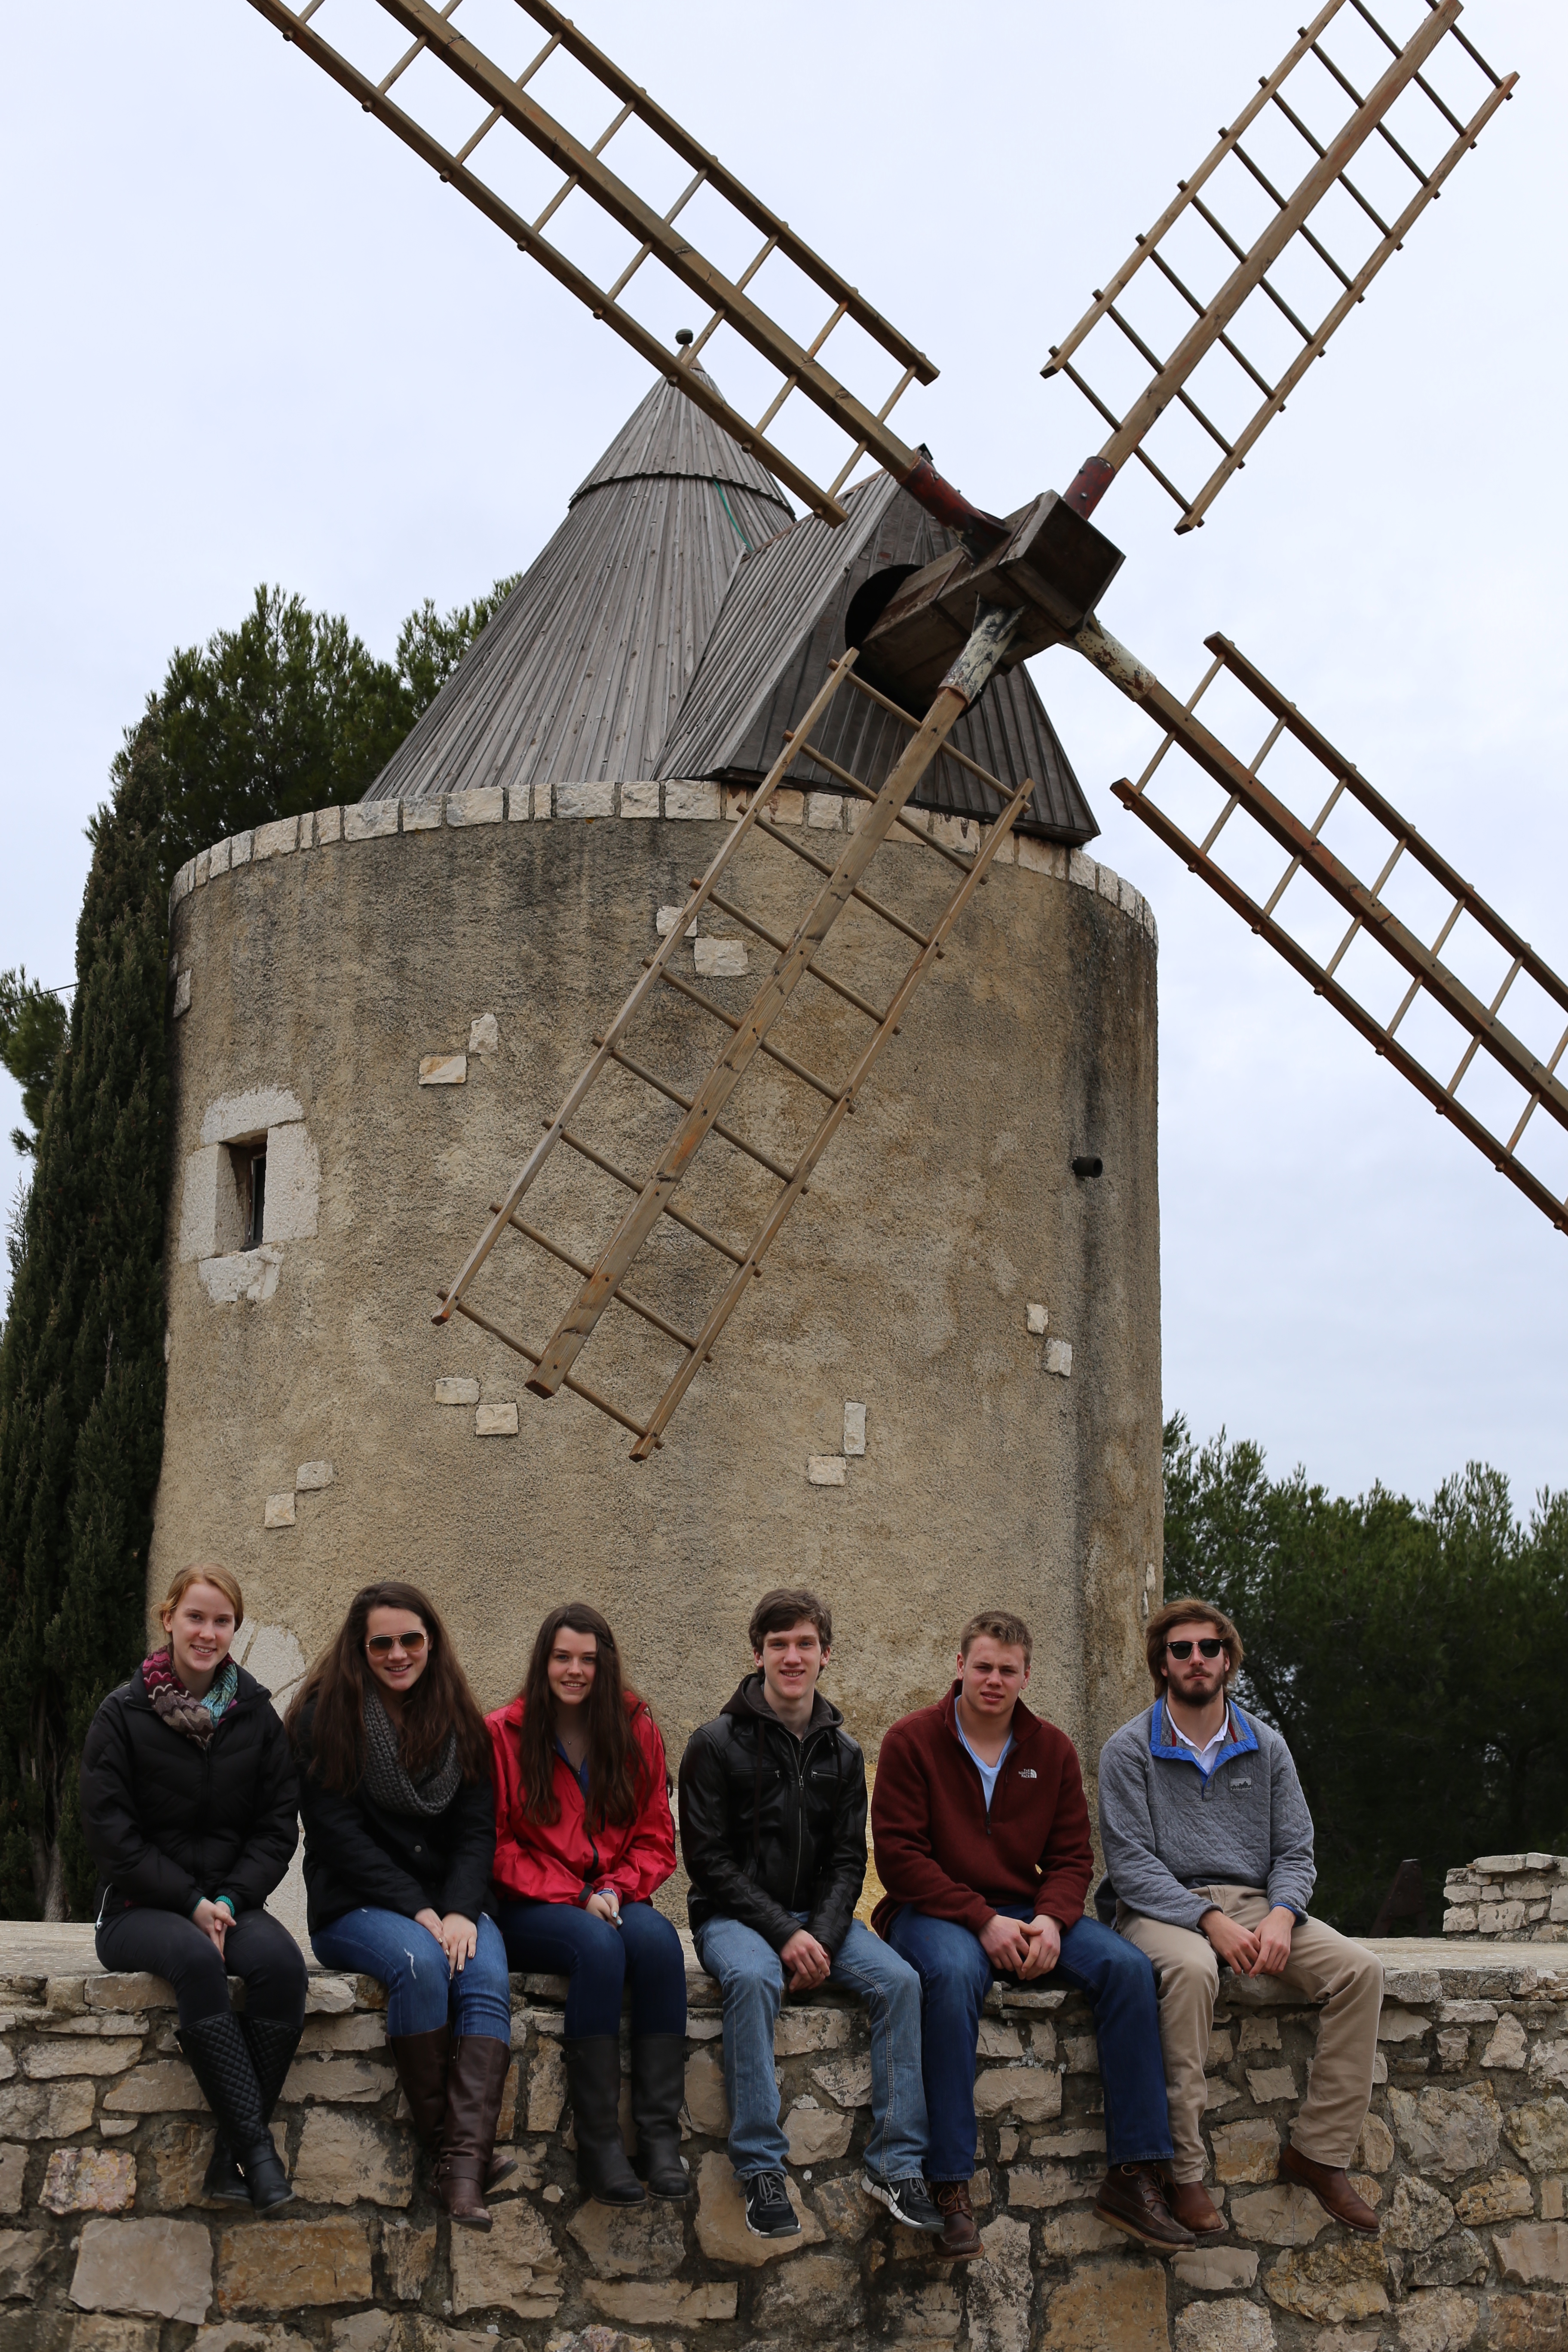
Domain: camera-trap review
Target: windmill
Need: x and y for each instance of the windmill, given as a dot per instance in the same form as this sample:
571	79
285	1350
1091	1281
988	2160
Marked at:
629	236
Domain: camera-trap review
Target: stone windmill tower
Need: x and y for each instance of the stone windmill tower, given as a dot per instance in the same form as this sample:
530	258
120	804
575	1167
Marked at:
953	1389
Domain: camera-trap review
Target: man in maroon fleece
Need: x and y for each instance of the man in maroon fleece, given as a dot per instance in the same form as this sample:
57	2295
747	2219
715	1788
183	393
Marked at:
981	1834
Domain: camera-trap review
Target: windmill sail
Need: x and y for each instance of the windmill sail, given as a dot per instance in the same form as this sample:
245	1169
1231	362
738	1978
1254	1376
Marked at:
1229	334
623	238
1418	1002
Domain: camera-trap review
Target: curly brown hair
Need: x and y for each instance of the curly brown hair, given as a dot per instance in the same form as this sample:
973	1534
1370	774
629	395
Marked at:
335	1686
617	1769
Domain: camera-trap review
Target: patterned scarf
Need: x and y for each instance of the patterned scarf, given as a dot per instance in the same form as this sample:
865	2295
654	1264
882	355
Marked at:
196	1718
385	1776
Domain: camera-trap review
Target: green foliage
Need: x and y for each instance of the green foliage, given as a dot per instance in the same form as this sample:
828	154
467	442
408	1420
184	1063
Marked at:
1406	1652
81	1358
291	712
286	713
32	1032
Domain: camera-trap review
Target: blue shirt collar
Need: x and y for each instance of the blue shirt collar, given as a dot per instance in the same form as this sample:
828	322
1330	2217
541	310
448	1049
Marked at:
1171	1750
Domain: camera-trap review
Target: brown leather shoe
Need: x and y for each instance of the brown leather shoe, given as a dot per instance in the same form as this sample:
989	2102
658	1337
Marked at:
960	2240
1131	2199
1192	2206
1330	2184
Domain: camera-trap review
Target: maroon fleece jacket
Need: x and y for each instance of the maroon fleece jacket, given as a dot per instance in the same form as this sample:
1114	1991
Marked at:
937	1849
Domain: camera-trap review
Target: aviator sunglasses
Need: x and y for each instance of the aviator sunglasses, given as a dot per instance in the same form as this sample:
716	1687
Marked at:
1210	1649
382	1645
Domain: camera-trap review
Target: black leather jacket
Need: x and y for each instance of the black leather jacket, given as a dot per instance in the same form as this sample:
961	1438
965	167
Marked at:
770	1825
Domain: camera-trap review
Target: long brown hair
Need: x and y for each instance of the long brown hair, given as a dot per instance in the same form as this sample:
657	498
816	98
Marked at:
439	1702
617	1769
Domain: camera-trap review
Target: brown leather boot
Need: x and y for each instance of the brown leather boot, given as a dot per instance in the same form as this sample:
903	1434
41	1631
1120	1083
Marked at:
1131	2198
421	2060
1192	2206
421	2063
1330	2184
960	2240
476	2078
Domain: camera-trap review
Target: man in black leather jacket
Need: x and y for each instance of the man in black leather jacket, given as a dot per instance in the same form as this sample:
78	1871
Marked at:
772	1833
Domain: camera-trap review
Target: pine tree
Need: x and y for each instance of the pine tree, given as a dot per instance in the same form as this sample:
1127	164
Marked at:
81	1360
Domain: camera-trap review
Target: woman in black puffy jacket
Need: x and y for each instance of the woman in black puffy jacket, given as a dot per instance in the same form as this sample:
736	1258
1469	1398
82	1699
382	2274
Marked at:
189	1807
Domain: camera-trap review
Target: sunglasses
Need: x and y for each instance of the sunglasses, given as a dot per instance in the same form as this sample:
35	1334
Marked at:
1210	1649
382	1645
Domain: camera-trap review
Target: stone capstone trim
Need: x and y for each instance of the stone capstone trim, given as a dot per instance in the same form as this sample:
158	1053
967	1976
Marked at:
104	2139
499	804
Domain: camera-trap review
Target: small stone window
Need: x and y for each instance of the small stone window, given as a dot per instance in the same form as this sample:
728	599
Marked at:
248	1161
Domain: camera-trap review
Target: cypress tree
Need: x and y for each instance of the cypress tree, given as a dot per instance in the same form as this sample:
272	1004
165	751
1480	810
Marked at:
81	1360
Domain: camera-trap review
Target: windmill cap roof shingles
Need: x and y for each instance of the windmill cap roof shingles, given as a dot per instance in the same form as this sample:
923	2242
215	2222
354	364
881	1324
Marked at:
680	619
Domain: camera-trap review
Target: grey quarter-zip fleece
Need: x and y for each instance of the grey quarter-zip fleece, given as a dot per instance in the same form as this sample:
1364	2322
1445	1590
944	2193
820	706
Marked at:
1166	1828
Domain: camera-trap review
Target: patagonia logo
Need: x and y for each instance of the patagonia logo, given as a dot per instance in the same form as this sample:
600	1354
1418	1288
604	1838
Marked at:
1027	1772
1240	1780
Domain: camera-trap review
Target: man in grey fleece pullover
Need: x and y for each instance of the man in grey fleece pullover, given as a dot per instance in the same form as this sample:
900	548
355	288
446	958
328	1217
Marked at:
1208	1844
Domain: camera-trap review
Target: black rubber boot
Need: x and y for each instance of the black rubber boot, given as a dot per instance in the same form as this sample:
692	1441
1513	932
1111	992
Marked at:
658	2085
593	2079
272	2042
220	2059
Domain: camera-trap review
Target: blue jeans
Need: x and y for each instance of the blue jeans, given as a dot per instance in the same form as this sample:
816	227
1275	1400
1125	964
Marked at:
422	1991
596	1960
752	1976
955	1976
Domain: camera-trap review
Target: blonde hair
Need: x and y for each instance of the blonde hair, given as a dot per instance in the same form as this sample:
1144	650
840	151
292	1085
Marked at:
204	1572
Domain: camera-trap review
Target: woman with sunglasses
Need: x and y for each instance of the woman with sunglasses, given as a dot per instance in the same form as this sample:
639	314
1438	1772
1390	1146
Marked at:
188	1803
583	1840
394	1791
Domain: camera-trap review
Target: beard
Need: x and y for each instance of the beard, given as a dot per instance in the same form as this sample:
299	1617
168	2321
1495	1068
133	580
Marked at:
1198	1686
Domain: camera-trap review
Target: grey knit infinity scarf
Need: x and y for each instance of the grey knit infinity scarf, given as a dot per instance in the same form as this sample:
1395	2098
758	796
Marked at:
386	1777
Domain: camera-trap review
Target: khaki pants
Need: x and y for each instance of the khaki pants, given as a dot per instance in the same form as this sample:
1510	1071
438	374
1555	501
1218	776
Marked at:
1324	1966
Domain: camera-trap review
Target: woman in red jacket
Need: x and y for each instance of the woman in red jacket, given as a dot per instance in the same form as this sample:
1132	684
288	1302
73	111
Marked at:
583	1840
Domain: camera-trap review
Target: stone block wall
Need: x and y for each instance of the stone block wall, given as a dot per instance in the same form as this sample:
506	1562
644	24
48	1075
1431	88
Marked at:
104	2246
1519	1898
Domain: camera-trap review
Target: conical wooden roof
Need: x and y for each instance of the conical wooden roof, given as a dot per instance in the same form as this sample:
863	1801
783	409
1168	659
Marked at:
682	618
580	674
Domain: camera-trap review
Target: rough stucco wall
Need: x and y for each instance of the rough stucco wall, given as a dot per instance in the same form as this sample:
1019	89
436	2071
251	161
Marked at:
945	1205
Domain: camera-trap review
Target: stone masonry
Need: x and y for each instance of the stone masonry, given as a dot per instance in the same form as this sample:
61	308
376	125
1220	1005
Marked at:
104	2248
1509	1897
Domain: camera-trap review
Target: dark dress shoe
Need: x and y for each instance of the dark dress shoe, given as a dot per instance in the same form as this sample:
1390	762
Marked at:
1131	2199
960	2240
1192	2206
1330	2184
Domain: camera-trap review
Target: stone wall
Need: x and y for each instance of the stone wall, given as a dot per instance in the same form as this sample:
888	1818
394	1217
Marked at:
103	2140
1509	1897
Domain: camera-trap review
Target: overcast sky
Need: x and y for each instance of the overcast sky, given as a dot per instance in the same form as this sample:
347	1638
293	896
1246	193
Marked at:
252	339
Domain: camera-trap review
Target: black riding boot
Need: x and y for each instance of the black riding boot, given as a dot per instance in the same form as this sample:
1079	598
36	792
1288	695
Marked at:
594	2080
658	2085
272	2042
220	2058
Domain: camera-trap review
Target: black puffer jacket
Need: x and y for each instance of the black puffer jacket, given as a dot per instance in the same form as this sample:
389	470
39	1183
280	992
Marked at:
359	1856
770	1825
168	1821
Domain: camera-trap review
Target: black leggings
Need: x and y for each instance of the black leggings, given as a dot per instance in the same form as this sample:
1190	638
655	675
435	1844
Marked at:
257	1947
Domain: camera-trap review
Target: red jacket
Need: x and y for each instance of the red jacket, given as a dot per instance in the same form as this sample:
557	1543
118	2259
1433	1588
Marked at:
937	1849
552	1862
